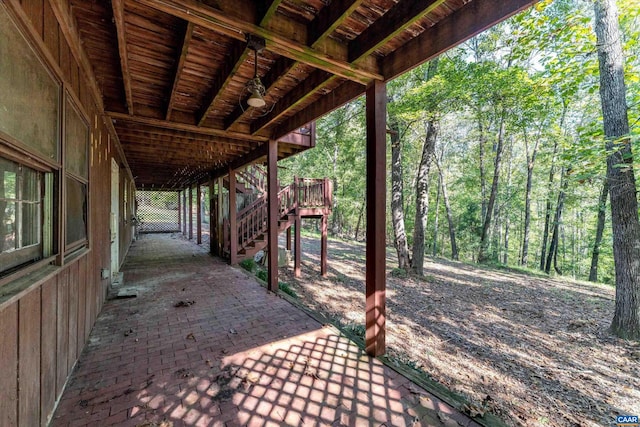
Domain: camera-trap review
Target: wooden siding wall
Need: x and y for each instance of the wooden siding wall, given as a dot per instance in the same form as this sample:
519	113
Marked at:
43	332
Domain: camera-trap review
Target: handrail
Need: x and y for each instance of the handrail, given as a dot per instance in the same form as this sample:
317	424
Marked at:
252	221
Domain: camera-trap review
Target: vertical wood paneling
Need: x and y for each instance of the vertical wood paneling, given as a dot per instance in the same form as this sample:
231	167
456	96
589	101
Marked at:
65	56
29	360
9	366
73	315
51	29
48	349
34	10
62	330
82	301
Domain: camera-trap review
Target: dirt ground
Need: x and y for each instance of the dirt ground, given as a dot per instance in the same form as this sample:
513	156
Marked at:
535	350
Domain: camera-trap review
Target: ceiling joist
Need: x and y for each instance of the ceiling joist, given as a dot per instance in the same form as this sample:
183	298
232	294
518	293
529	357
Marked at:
186	40
118	16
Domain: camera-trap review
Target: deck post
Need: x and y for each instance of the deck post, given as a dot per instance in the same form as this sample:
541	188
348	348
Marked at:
213	225
199	215
289	238
179	211
233	212
190	212
184	212
323	247
220	217
376	203
298	224
272	209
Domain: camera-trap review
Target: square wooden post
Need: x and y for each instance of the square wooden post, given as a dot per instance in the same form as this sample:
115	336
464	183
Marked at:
220	217
199	215
323	247
233	217
213	221
184	212
298	247
376	229
179	211
289	238
190	213
273	215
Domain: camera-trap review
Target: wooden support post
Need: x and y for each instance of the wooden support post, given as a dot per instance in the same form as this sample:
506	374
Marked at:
213	221
220	225
289	238
298	247
233	217
376	203
190	213
179	211
272	209
198	215
323	247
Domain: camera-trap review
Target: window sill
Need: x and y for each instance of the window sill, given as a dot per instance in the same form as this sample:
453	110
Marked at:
17	288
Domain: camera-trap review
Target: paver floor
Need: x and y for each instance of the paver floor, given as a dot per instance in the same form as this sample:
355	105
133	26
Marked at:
203	344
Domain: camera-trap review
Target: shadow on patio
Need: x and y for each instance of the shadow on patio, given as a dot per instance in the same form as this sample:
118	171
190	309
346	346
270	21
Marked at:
204	344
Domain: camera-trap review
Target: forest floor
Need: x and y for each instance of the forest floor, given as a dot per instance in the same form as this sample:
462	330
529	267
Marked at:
536	350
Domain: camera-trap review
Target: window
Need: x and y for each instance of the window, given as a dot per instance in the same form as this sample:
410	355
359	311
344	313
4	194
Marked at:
77	174
21	215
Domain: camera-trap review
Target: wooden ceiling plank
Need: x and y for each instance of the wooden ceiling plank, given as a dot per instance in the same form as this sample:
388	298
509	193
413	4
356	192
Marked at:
238	54
395	21
186	40
468	21
183	126
266	10
118	16
250	157
330	18
217	20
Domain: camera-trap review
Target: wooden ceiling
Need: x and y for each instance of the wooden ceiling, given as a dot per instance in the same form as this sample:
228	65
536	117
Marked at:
173	73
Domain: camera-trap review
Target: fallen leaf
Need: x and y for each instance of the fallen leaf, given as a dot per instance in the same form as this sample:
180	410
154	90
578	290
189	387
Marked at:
191	336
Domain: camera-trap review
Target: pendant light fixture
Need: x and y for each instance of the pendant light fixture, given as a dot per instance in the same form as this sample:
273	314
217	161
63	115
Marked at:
254	86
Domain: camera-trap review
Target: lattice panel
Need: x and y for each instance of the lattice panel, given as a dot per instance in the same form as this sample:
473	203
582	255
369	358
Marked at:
157	211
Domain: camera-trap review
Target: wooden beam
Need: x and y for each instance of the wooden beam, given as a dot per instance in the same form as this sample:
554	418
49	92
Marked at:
273	215
220	224
395	21
323	246
118	17
185	127
233	218
468	21
339	96
250	157
221	22
330	18
186	40
266	10
237	56
376	228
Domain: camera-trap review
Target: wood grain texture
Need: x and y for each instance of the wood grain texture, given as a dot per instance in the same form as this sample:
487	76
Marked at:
29	351
48	339
9	366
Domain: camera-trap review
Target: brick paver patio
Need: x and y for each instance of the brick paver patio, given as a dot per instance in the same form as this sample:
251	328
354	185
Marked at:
203	344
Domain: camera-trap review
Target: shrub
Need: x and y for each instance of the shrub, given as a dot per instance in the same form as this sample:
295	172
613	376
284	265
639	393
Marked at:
284	287
248	264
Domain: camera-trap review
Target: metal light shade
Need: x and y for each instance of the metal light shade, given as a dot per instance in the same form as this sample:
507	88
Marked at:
256	100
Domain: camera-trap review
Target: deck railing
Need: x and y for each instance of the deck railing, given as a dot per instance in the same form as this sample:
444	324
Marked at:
252	221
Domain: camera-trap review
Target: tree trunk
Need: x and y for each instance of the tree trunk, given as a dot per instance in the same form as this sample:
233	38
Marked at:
397	198
360	215
422	187
547	214
484	239
531	158
622	184
483	174
553	247
602	213
447	207
435	221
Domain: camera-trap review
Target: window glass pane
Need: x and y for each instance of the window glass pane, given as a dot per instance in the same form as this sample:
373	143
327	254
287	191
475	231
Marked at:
76	137
30	97
76	211
7	226
9	179
30	185
30	224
